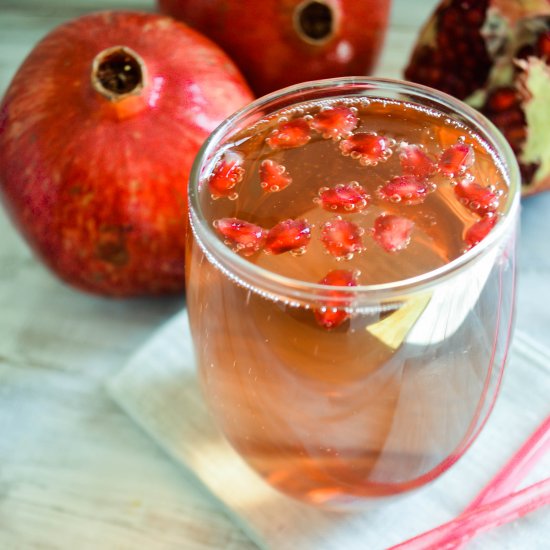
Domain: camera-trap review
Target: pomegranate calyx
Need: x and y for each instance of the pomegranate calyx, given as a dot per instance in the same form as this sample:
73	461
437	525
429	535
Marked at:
314	22
118	72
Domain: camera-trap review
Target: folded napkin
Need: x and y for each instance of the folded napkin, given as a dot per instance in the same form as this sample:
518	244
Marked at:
158	389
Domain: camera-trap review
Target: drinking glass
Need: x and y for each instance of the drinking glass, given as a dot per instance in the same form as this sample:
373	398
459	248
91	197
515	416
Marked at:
390	401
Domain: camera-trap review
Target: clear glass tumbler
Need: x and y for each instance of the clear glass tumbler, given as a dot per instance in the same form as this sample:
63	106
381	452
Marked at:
384	404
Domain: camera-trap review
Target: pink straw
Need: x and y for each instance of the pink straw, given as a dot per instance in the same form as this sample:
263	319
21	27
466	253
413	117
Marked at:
481	519
492	507
517	467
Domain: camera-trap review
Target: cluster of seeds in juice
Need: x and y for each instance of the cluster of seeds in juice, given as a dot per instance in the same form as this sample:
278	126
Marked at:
341	237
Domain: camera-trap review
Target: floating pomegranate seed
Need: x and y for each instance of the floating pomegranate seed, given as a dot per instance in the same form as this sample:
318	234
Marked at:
273	176
369	148
335	123
330	314
344	198
415	162
405	189
243	236
456	159
287	135
342	238
477	232
391	232
288	235
227	173
475	197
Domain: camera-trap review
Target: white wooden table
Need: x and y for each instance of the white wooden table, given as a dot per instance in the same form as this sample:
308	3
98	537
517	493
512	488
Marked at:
75	472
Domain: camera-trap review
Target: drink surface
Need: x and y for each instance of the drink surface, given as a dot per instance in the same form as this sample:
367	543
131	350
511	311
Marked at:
332	404
384	189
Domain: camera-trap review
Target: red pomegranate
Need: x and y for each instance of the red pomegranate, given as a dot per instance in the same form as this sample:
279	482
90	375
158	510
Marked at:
495	55
98	131
281	42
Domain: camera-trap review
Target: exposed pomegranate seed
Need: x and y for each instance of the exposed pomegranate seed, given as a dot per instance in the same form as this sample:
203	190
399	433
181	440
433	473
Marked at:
330	315
342	238
288	235
335	123
273	176
392	233
502	99
287	135
227	173
243	236
456	159
405	189
451	55
344	198
475	197
415	162
369	148
477	232
543	45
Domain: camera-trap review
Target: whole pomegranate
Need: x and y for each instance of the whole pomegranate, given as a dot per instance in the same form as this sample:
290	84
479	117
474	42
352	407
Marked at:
98	131
281	42
495	55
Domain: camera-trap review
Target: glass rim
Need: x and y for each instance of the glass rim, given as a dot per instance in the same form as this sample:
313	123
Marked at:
291	290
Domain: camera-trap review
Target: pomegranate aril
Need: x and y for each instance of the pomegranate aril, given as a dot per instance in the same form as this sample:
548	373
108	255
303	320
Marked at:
289	134
543	45
342	238
405	189
273	176
288	236
476	197
227	173
369	148
330	314
344	198
502	99
243	236
335	123
392	232
477	232
415	162
456	159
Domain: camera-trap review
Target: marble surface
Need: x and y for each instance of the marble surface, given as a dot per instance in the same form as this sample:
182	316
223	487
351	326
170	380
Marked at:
75	470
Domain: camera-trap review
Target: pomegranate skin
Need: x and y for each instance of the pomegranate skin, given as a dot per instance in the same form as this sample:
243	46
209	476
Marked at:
276	43
95	179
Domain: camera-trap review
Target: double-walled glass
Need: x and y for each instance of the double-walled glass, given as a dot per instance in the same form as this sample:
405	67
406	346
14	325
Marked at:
392	401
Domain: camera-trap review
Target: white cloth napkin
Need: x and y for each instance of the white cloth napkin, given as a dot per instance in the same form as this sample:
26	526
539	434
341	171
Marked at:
158	389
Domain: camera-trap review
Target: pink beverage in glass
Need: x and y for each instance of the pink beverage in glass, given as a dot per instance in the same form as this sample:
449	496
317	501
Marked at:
350	278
